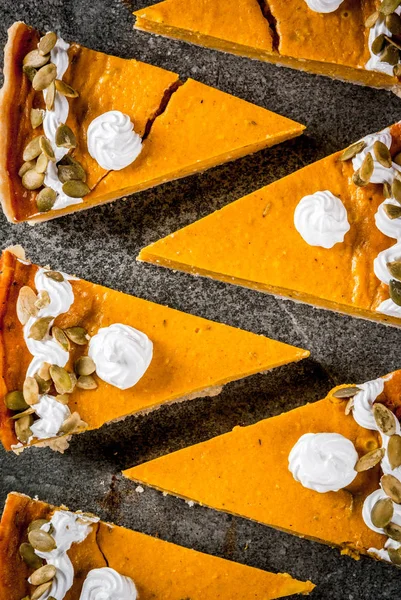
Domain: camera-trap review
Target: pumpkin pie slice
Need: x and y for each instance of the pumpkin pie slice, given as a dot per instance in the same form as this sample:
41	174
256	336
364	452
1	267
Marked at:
75	355
80	128
343	39
326	234
100	558
325	465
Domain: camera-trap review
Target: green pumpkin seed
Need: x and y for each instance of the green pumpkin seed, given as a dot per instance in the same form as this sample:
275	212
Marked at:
369	460
378	44
46	148
86	382
47	43
347	392
358	181
32	180
23	428
43	575
65	137
74	380
41	163
384	419
44	371
395	291
371	20
41	540
366	168
50	96
29	556
396	190
353	150
44	77
45	199
30	390
63	398
55	276
72	424
65	89
41	590
389	55
84	366
393	531
397	70
382	513
26	305
44	386
37	116
386	190
392	211
27	166
35	59
30	72
349	406
60	337
15	401
43	300
20	415
392	487
394	451
37	524
389	6
397	159
61	379
40	328
68	172
394	555
395	269
393	42
382	154
33	149
393	24
78	335
75	189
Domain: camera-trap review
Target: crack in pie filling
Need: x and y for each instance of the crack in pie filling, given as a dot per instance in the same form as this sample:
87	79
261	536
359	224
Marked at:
351	40
48	552
332	467
80	128
328	234
75	355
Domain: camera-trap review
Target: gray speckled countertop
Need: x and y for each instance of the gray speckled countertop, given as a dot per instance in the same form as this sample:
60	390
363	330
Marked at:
101	245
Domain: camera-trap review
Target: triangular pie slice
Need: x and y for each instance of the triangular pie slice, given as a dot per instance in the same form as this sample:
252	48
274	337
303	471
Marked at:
332	38
246	472
98	555
133	355
180	128
321	235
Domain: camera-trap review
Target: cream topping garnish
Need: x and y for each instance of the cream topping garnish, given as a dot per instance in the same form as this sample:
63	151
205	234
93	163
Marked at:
112	141
324	6
321	219
107	583
379	28
52	415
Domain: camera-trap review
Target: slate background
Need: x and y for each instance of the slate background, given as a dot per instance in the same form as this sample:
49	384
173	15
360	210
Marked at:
101	245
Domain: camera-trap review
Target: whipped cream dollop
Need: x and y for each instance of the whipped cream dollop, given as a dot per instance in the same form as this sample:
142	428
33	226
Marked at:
363	402
121	354
389	227
112	141
58	115
52	415
380	263
323	462
380	174
321	219
374	63
324	6
67	529
107	584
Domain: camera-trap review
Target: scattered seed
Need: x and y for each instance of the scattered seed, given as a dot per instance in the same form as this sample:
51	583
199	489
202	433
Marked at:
45	199
390	55
20	415
65	137
392	211
356	178
394	555
72	423
378	44
37	524
44	371
393	531
35	59
65	89
40	328
397	158
63	398
60	337
396	190
41	163
27	166
30	72
47	43
29	556
55	275
395	291
30	391
84	366
369	460
389	6
78	335
32	150
44	386
394	451
353	150
393	23
37	116
32	180
384	418
43	300
61	379
68	172
393	42
41	590
382	513
397	71
15	401
382	154
41	540
386	189
26	304
86	382
50	96
392	487
23	428
371	20
395	269
366	168
46	148
44	77
75	189
43	575
347	392
349	406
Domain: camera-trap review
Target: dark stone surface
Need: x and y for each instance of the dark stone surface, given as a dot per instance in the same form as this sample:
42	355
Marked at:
102	245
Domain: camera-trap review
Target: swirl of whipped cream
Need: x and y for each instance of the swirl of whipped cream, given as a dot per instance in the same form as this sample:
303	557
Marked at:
107	583
374	63
52	415
369	503
390	227
363	402
380	174
321	219
112	141
121	354
323	462
324	6
380	263
60	293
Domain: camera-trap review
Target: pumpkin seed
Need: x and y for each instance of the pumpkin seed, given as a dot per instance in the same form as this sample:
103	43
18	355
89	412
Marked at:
396	190
392	487
389	6
84	366
50	96
393	531
86	382
397	71
393	42
27	166
35	59
382	513
46	148
41	590
44	386
37	524
40	328
366	168
74	380
369	460
44	371
15	401
37	116
378	44
61	379
29	556
47	43
392	211
41	540
382	154
43	300
30	72
347	392
33	149
43	575
75	189
68	172
65	137
32	180
45	199
349	406
30	390
384	419
356	178
395	291
26	305
353	150
60	337
20	415
386	190
371	20
395	269
41	163
394	555
72	423
394	451
65	89
78	335
44	77
63	398
397	159
23	428
55	276
389	55
393	24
